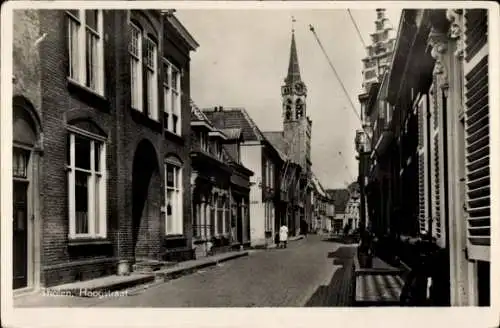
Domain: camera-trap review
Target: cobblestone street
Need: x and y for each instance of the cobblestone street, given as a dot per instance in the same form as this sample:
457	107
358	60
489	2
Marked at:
310	272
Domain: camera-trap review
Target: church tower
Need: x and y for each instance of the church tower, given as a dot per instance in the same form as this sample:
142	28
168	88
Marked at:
296	123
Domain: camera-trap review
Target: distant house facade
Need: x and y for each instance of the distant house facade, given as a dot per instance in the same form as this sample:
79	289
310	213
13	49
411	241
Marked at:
220	187
259	156
323	212
340	199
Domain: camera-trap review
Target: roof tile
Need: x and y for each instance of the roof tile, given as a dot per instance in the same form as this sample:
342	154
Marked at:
229	118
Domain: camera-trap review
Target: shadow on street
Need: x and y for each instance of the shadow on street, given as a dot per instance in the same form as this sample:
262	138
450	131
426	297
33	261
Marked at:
347	240
339	291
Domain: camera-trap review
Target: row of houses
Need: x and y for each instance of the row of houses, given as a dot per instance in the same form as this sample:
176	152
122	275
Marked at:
114	166
323	208
425	150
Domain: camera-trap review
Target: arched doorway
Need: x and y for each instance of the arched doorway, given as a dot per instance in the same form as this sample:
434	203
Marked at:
25	195
146	202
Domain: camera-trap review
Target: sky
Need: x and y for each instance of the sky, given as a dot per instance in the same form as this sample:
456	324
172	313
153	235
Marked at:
243	59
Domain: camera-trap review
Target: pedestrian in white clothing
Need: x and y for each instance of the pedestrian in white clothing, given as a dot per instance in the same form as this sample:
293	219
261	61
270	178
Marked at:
283	236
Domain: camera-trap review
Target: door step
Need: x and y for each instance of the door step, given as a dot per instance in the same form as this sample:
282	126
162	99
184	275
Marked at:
151	266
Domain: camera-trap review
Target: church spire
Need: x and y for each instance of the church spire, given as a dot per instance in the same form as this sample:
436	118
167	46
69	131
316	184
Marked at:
293	65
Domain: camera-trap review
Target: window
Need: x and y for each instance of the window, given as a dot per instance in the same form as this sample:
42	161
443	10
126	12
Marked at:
173	197
268	216
135	51
20	159
238	152
151	79
212	214
271	175
369	64
227	218
203	141
266	173
85	48
220	216
172	99
86	162
217	149
370	74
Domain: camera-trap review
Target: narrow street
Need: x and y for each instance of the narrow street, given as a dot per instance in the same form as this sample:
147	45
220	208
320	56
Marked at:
310	272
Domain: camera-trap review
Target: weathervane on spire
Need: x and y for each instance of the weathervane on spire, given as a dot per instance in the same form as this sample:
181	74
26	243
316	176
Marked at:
293	21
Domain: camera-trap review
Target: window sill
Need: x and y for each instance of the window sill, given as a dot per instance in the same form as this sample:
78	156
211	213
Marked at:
88	95
199	240
174	235
142	118
173	136
88	241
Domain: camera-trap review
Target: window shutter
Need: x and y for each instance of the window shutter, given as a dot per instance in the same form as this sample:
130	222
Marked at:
434	130
423	216
477	147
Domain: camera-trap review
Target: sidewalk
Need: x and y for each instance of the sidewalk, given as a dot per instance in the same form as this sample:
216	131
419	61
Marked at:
85	293
379	285
338	292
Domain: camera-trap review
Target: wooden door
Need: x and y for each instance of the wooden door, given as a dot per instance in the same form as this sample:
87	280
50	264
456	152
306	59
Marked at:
20	235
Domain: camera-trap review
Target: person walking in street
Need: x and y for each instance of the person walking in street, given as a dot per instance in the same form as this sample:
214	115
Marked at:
283	236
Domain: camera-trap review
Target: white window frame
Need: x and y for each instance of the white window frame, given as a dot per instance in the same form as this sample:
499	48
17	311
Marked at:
271	185
177	226
168	93
203	141
78	65
101	202
227	213
136	87
219	210
152	91
217	149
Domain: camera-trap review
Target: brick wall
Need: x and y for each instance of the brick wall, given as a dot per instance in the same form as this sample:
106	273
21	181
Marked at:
126	129
60	106
26	57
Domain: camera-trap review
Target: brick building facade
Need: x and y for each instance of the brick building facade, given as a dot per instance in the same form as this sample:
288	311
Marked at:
92	143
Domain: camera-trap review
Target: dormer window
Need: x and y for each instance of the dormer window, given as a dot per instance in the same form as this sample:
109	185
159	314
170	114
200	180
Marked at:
218	150
203	141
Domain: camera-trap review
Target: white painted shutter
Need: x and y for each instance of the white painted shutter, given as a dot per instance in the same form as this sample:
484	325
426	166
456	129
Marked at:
423	208
477	144
435	167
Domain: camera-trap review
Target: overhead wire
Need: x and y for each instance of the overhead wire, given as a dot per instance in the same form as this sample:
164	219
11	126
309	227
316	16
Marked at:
311	28
357	29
